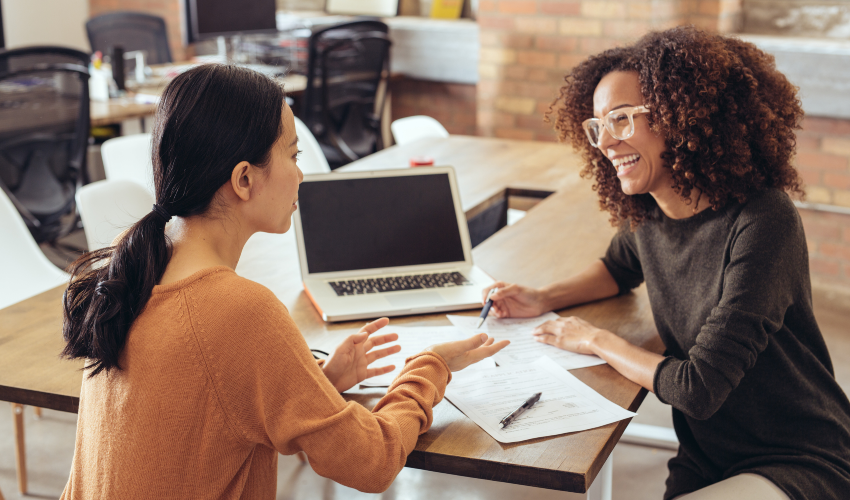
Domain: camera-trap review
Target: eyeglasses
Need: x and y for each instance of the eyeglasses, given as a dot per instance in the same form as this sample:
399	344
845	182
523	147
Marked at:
620	123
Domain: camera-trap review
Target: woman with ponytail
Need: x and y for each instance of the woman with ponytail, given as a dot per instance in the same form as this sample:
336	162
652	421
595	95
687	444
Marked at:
196	378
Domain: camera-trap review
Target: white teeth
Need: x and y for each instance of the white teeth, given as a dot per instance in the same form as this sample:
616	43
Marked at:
623	162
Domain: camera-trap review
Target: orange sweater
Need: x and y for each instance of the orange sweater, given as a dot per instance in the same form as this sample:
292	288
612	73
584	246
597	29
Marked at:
216	379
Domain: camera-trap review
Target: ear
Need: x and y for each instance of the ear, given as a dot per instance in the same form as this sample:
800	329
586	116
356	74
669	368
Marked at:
242	180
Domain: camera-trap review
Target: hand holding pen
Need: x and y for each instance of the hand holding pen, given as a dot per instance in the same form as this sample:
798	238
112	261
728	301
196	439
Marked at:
515	301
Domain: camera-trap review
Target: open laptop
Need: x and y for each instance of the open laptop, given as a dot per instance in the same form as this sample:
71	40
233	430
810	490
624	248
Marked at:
385	243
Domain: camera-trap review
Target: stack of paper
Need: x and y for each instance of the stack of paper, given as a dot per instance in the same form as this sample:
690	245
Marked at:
566	405
523	348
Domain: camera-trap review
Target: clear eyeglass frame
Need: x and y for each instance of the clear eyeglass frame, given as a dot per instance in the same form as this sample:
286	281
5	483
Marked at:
614	123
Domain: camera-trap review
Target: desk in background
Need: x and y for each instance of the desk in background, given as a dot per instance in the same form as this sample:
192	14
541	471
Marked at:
557	238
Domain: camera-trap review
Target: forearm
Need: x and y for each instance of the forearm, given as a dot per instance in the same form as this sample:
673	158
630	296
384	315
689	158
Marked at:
594	283
633	362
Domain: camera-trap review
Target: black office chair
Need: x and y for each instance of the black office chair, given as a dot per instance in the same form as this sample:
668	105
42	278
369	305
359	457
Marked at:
346	65
132	31
44	130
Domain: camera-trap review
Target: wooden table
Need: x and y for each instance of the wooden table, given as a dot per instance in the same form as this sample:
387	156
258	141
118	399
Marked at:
557	238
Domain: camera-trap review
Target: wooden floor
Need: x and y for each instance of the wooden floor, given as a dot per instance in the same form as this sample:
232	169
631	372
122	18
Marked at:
639	472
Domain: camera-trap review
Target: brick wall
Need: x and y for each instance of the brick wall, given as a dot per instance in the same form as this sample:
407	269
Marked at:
170	10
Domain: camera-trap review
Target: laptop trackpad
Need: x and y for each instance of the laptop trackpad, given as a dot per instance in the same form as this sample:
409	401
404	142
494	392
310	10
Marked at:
416	299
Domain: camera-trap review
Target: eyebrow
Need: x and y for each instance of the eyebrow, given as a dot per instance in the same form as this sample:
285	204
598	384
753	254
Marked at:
294	142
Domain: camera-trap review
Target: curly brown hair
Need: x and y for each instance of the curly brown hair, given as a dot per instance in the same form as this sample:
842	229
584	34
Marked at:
727	115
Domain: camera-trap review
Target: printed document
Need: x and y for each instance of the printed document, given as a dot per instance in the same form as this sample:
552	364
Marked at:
524	349
566	405
413	340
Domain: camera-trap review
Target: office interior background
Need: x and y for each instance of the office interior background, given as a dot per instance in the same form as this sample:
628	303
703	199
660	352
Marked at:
494	72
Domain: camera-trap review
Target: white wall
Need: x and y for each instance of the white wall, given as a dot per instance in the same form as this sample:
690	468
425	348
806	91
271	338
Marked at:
46	22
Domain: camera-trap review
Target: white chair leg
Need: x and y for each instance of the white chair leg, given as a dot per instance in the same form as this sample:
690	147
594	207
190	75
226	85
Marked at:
602	486
653	436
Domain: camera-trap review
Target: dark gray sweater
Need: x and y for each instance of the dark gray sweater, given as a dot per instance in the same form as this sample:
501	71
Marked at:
747	372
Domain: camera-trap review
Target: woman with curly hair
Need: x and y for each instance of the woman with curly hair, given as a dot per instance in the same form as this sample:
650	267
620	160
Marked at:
689	137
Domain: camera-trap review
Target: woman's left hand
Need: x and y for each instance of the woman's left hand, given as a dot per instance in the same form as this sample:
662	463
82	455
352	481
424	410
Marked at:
570	333
349	363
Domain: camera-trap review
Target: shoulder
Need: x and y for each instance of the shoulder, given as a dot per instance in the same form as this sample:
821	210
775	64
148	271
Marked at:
226	302
770	206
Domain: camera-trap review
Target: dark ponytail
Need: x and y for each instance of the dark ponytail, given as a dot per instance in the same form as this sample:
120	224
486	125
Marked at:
208	120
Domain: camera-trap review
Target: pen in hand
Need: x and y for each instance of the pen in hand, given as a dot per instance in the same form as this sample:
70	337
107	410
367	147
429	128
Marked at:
487	306
525	406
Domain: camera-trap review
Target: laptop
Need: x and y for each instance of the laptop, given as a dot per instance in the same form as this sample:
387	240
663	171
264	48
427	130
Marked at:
385	243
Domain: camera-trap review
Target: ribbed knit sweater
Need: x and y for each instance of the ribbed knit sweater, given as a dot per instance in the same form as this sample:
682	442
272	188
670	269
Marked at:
746	370
215	381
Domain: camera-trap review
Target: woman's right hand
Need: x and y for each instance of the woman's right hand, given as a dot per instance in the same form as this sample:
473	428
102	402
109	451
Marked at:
462	353
515	301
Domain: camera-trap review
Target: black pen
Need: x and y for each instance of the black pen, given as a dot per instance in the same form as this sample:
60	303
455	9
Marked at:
486	310
516	413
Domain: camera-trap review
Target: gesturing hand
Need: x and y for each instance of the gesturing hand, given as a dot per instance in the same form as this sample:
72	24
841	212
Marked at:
514	301
571	334
349	364
462	353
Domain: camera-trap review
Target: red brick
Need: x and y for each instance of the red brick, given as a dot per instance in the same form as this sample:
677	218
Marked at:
810	176
820	265
595	45
808	141
625	29
824	161
834	126
557	43
514	133
570	61
518	6
517	41
547	135
531	122
846	232
487	6
820	231
496	23
835	250
536	58
561	8
839	181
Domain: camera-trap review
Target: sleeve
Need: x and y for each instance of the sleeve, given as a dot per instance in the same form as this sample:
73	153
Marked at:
767	260
274	393
623	261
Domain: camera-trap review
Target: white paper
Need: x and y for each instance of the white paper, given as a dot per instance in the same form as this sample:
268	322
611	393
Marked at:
566	405
524	349
413	340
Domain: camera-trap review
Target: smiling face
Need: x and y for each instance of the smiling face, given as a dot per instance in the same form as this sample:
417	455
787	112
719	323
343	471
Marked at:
638	158
278	191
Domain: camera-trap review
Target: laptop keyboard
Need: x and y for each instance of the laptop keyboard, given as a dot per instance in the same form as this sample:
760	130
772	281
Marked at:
398	283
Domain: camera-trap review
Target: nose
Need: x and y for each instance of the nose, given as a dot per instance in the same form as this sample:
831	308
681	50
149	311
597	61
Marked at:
300	175
606	140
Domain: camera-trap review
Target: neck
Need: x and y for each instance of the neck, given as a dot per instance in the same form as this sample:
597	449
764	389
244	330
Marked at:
200	242
675	207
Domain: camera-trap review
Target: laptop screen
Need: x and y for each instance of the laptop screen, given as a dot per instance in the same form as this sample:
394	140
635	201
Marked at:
377	222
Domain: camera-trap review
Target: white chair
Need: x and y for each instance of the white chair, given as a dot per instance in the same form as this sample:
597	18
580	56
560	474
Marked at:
312	160
413	128
109	207
24	272
129	158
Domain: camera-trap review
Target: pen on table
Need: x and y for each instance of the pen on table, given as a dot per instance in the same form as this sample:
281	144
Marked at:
487	306
516	413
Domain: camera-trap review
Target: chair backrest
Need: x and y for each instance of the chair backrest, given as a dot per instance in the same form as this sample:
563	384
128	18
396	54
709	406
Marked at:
346	64
129	158
312	160
109	207
413	128
44	130
24	270
131	31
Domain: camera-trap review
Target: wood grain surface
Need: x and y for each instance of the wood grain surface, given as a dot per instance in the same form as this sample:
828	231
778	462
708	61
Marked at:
557	238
